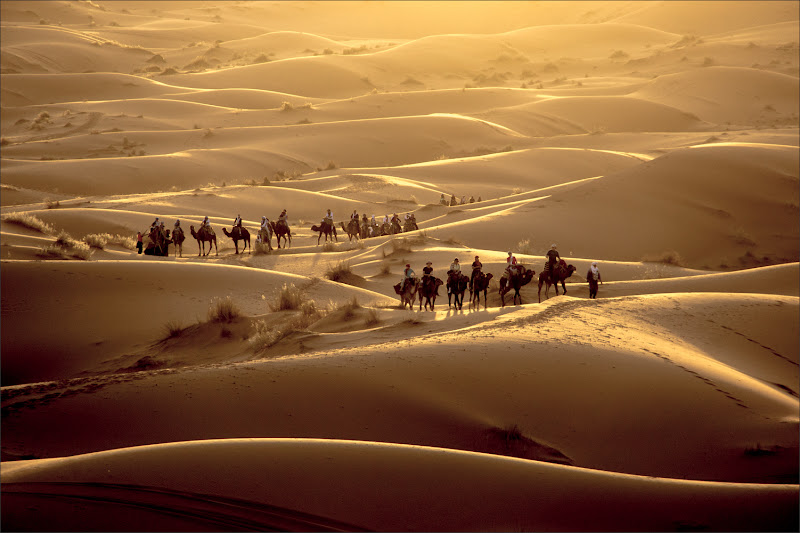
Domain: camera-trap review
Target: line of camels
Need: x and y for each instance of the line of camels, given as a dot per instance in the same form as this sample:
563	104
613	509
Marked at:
427	287
161	239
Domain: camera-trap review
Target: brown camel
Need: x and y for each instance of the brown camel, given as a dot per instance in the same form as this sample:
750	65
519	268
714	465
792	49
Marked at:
281	230
177	238
457	284
429	290
408	292
159	243
480	283
238	233
351	229
561	273
202	236
516	281
266	236
327	229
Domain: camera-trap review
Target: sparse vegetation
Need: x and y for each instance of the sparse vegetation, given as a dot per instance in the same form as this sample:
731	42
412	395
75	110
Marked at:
289	298
670	257
101	240
65	247
223	310
29	221
524	247
339	272
173	329
385	269
372	319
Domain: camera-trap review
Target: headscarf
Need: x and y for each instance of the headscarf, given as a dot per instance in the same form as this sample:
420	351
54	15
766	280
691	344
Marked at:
595	271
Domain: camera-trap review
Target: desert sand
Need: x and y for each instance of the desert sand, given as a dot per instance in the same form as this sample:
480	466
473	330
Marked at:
288	388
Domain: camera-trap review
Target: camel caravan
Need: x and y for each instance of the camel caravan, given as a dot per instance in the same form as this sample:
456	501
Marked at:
515	276
357	228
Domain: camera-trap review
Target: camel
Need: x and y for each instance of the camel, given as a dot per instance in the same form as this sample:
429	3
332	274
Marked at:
177	238
281	229
364	229
480	283
202	236
429	290
351	229
561	273
456	286
159	243
516	281
265	234
238	233
410	225
408	293
327	229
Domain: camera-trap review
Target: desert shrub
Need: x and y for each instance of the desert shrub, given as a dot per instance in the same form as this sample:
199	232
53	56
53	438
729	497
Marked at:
619	54
223	310
709	62
173	329
349	308
267	336
28	221
516	190
289	298
328	247
385	269
524	247
101	240
372	318
452	240
330	166
669	257
741	236
65	247
339	271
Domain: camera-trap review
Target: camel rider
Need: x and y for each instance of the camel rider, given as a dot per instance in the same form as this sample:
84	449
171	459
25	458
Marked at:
395	218
413	220
154	224
476	269
552	259
283	218
442	200
265	223
427	271
408	275
354	215
177	224
206	223
386	220
237	221
455	266
511	265
328	217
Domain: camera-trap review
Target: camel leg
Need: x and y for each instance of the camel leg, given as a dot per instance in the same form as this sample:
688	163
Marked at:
564	287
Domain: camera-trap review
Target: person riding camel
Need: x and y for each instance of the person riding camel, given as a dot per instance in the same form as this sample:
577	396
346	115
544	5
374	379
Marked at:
442	200
328	217
476	269
206	223
283	218
154	225
408	276
427	272
455	266
237	221
511	265
552	260
177	223
354	215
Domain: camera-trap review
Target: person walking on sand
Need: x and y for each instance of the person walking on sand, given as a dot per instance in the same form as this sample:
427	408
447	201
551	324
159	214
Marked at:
476	269
139	242
593	277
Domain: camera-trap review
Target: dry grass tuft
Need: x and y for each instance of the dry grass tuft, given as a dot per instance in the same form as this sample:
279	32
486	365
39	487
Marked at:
101	240
29	221
223	310
289	298
65	247
173	329
339	272
670	257
372	319
524	247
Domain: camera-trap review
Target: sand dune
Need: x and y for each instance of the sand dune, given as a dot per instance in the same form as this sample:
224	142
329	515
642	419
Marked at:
289	388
